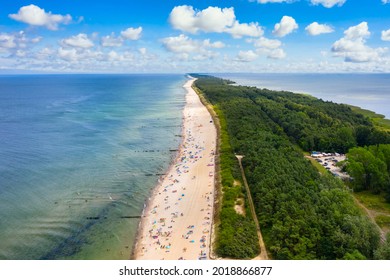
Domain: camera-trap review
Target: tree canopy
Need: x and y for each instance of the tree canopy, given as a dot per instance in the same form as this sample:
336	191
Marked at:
369	168
303	215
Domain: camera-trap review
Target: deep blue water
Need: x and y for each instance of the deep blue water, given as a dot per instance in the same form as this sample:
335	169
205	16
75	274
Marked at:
369	91
76	154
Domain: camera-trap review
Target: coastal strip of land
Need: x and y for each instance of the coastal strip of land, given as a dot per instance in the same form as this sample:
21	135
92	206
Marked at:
177	222
305	212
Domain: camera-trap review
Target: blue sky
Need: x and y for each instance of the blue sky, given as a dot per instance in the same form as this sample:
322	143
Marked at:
172	36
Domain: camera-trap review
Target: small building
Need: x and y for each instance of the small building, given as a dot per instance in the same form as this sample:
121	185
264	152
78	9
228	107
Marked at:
317	155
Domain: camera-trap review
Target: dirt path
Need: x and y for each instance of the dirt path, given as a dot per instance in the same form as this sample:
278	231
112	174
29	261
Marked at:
372	214
263	253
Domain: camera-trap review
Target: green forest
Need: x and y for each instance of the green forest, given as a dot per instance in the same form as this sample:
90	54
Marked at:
303	214
369	167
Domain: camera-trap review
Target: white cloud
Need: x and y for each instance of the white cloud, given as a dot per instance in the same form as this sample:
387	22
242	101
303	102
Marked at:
277	54
212	19
36	16
238	30
132	33
352	47
111	41
185	47
215	45
183	18
7	41
362	53
324	53
386	35
181	44
247	56
14	42
315	29
113	55
81	56
68	54
328	3
44	53
285	27
271	48
20	53
79	41
36	39
205	56
385	1
267	43
142	51
357	32
120	57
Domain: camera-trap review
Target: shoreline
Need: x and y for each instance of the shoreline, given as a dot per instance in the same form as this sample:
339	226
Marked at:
308	84
177	219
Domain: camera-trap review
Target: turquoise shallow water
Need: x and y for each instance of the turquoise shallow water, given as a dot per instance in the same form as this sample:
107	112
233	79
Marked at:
79	155
369	91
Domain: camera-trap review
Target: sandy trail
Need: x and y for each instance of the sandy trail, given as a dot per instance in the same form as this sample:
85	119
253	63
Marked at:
178	219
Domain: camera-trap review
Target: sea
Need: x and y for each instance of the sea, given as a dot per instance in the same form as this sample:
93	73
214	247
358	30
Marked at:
368	91
79	156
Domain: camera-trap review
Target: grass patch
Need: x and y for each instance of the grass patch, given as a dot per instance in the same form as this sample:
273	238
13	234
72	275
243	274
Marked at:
365	112
373	201
383	221
317	165
379	120
382	123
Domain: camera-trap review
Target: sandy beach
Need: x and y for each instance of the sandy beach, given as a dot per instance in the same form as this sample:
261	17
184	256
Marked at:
177	222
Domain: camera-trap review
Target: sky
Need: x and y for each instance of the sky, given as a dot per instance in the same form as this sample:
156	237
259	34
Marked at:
173	36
